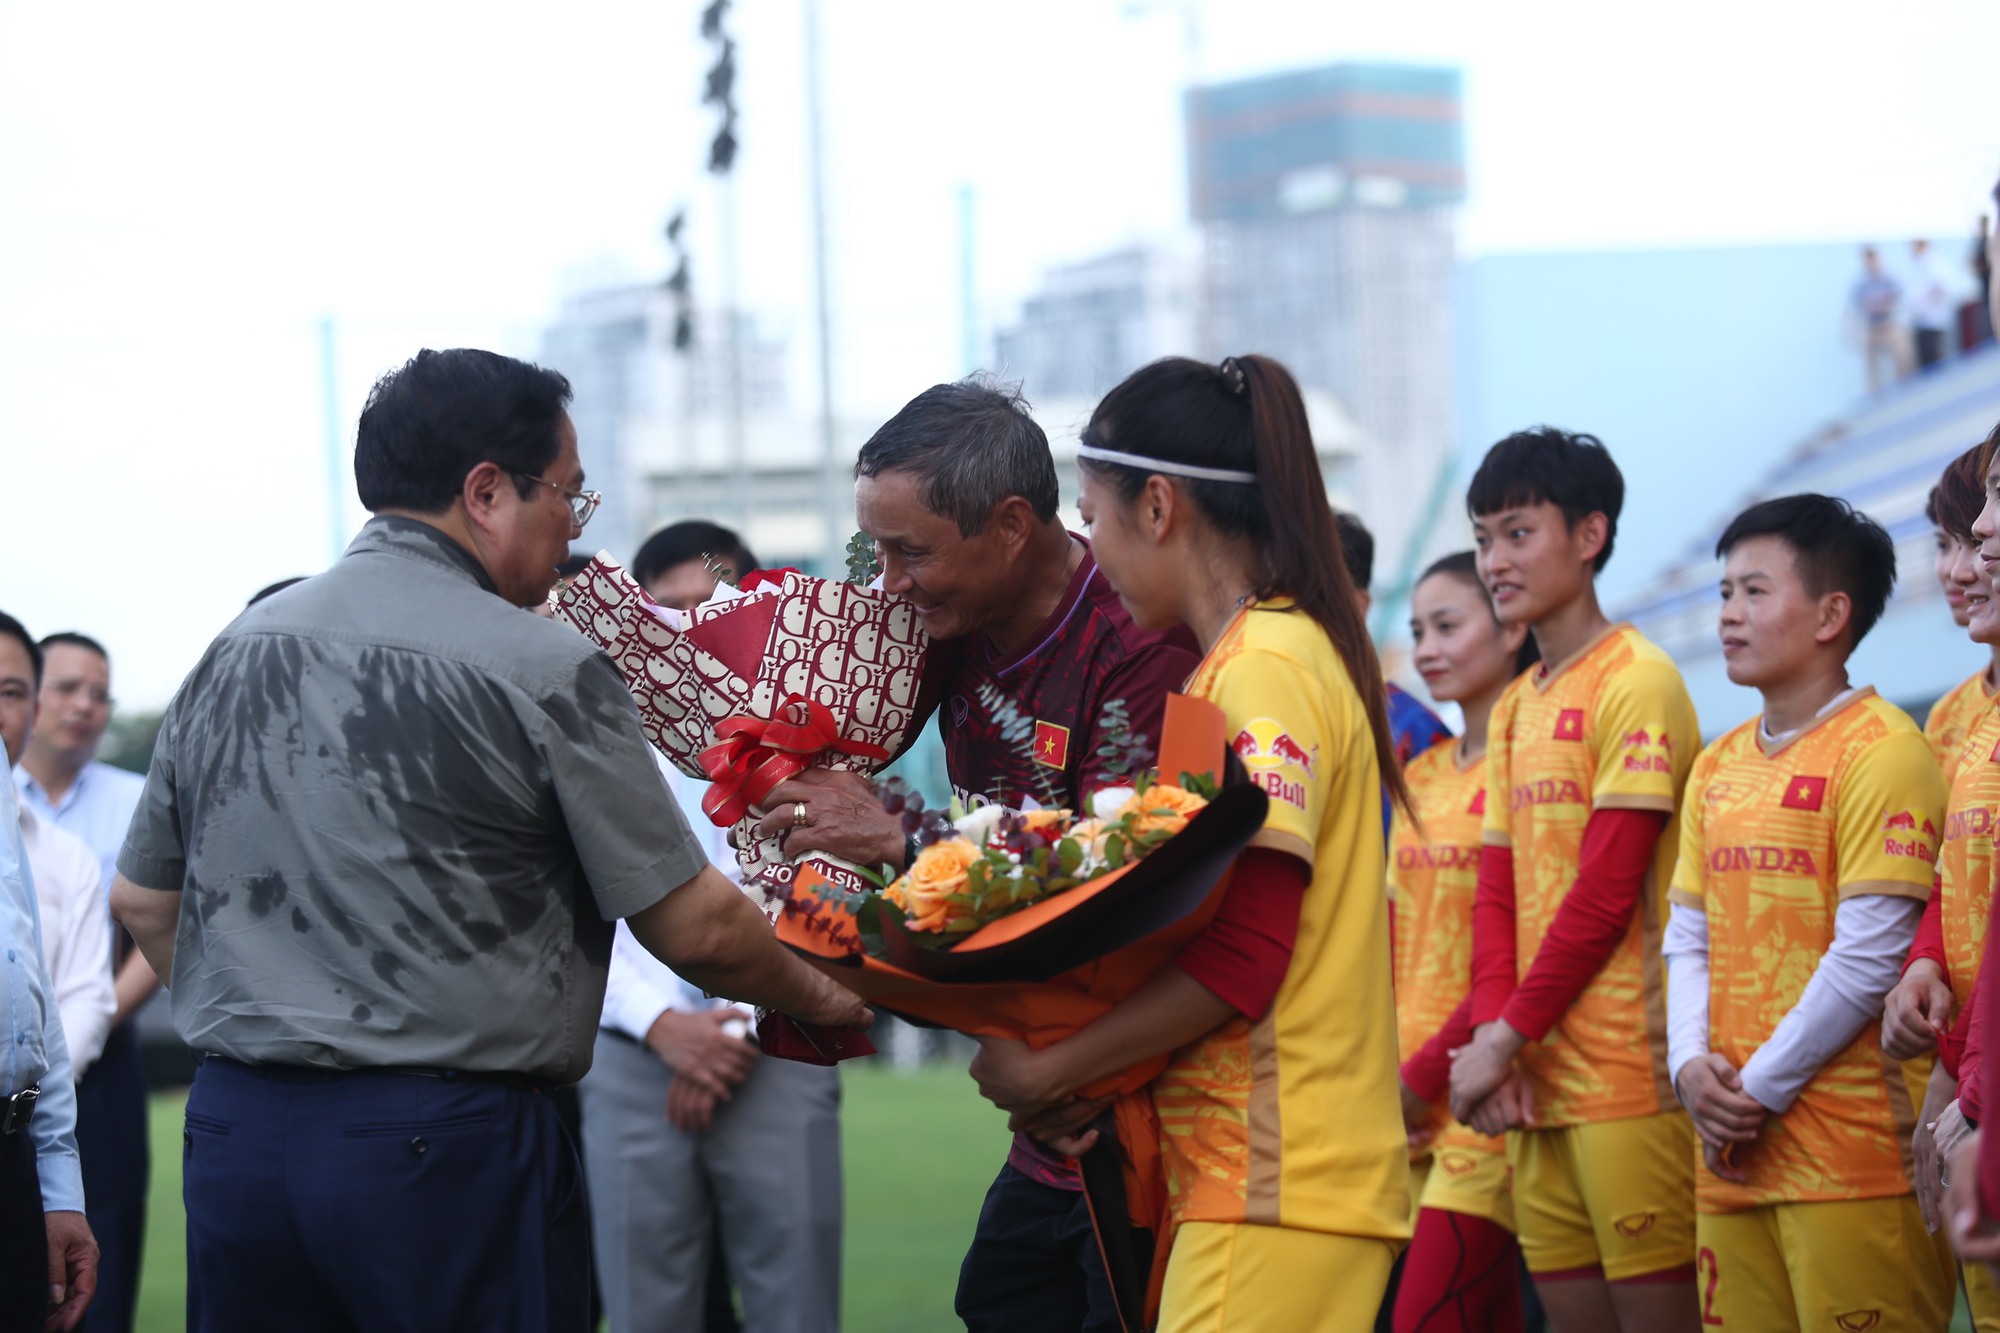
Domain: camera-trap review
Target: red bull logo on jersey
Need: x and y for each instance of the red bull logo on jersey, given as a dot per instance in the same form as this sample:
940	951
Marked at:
1764	860
1276	762
1905	835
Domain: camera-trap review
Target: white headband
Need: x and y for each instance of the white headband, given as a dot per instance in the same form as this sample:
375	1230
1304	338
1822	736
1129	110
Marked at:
1171	469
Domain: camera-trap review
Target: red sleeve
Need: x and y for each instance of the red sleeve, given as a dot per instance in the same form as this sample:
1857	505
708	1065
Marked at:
1242	954
1493	948
1951	1049
1930	931
1984	998
1593	920
1428	1071
1970	1086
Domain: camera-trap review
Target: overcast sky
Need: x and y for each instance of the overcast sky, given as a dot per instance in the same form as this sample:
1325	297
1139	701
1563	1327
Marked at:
186	190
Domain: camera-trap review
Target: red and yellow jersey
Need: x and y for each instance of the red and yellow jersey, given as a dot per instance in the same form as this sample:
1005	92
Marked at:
1611	728
1953	717
1965	861
1433	875
1295	1120
1773	840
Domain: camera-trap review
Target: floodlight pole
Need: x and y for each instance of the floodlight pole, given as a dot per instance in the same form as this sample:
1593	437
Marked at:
833	487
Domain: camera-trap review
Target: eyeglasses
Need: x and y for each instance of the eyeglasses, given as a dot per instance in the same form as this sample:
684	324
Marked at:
582	504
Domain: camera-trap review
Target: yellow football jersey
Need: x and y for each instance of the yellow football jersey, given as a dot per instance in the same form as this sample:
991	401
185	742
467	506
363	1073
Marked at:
1433	876
1953	717
1611	728
1773	840
1295	1120
1965	861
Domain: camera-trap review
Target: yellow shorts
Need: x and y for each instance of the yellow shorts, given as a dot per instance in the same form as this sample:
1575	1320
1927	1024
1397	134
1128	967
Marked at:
1232	1275
1619	1194
1865	1265
1982	1295
1420	1172
1475	1181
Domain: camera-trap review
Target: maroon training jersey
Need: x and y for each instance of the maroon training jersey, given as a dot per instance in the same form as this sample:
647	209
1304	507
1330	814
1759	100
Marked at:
1025	729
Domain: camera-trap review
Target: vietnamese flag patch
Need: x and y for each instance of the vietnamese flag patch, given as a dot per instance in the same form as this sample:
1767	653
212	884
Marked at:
1478	806
1804	794
1569	725
1051	744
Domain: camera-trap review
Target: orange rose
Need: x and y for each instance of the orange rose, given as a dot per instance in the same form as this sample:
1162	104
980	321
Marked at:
938	872
1038	821
1162	807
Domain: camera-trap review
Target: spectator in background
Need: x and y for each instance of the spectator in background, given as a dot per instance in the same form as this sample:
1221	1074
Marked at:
673	565
1874	303
1975	319
75	944
1930	305
63	783
747	1150
1414	727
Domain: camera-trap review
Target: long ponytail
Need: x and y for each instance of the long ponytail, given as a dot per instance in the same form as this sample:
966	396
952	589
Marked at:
1247	416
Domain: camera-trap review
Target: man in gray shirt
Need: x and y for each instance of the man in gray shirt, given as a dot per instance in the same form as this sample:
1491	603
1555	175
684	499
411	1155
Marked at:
389	825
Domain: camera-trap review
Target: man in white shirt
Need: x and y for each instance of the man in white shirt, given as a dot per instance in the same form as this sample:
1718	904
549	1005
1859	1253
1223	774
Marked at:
65	786
76	939
1930	305
686	1126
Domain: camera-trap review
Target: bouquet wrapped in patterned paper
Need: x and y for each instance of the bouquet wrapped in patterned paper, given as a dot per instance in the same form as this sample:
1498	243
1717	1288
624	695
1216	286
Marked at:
1000	930
786	673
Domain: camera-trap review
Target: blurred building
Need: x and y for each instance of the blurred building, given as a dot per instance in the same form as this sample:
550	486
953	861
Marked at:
1093	323
1326	201
1323	201
661	435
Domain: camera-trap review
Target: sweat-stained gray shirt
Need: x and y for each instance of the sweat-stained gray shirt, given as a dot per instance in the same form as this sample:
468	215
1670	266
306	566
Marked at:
404	815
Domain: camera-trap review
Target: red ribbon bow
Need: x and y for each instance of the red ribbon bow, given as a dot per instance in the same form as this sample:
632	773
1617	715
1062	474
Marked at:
752	755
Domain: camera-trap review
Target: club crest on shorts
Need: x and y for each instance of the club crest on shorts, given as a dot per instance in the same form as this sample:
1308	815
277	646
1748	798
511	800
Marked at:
1858	1321
1634	1225
1456	1164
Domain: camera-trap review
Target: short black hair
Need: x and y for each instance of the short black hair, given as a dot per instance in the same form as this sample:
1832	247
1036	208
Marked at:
72	639
14	629
970	445
432	420
692	539
1357	548
1544	464
1836	547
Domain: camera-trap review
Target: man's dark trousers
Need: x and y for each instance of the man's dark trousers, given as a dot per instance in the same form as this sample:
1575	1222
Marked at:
1034	1265
24	1238
117	1167
326	1202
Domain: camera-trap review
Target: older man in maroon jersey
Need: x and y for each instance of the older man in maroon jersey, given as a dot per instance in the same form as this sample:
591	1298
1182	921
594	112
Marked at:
959	493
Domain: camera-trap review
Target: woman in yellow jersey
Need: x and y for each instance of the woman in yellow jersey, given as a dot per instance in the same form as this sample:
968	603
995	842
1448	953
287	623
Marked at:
1926	1013
1280	1127
1952	507
1462	1271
